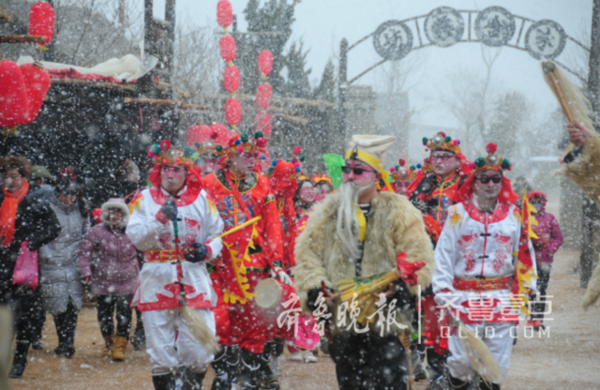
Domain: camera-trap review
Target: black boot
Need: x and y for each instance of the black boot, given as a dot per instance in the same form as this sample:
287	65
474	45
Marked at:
267	380
249	373
233	359
219	365
458	383
492	386
20	359
164	382
191	380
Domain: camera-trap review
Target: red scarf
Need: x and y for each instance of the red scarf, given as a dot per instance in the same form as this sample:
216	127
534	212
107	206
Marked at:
8	213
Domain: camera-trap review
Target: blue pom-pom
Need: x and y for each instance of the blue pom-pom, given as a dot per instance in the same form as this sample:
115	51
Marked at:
419	166
237	142
297	169
263	157
274	162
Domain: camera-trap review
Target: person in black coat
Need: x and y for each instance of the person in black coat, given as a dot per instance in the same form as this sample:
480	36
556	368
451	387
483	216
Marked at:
23	217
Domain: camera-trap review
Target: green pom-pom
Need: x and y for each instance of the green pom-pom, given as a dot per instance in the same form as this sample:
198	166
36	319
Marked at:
397	167
258	135
245	138
219	148
301	157
197	145
412	168
271	169
448	138
188	151
480	162
505	164
155	149
425	140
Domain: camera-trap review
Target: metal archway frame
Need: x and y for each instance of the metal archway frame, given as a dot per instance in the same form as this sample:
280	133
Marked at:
520	44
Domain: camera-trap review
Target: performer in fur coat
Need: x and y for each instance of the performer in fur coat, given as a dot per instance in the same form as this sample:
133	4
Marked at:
360	232
582	164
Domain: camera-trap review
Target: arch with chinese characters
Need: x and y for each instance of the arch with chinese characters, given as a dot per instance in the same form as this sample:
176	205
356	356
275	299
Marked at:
444	26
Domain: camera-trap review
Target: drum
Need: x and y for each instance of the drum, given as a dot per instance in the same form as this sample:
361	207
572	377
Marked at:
268	293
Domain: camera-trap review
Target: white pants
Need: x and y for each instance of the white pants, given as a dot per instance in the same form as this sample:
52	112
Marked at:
496	335
162	339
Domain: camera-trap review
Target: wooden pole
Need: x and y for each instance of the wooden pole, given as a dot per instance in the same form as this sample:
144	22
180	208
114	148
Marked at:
22	39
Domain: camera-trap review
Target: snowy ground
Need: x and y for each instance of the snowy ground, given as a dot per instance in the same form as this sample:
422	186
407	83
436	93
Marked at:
567	359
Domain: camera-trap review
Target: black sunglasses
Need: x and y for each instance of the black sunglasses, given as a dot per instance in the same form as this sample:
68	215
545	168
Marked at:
486	179
357	171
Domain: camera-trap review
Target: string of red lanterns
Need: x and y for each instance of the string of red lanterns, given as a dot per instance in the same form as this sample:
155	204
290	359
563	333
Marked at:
231	74
264	91
41	21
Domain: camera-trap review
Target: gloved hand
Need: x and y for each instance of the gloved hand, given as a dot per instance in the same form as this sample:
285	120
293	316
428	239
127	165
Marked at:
169	209
197	253
282	276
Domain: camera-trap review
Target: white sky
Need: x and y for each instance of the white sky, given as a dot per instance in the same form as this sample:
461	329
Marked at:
323	23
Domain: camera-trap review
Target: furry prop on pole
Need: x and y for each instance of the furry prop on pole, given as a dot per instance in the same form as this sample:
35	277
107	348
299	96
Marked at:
196	323
573	102
479	354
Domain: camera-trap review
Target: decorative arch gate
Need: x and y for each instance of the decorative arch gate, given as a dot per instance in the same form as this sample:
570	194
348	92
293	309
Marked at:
444	26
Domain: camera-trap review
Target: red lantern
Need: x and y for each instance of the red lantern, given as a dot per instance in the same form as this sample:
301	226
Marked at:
197	133
231	79
228	48
233	111
263	95
265	62
37	83
222	134
41	21
14	104
224	13
262	122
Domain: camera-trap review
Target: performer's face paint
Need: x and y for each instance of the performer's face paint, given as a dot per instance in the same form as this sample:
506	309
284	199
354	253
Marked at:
400	187
488	185
444	162
307	193
172	177
243	163
359	172
322	190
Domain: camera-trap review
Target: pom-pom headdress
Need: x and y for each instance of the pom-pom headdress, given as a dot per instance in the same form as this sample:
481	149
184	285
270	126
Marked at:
246	143
401	173
493	161
211	146
165	153
441	141
293	165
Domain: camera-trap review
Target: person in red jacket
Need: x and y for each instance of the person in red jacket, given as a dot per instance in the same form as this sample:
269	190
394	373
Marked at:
549	240
241	196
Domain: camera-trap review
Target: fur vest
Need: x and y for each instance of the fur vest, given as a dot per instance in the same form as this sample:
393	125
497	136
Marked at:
394	225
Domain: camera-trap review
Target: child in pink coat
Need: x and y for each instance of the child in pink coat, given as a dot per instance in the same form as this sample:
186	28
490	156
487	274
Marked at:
549	240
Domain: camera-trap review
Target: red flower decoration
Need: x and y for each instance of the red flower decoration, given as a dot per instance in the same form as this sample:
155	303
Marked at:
297	150
165	145
491	148
401	162
262	142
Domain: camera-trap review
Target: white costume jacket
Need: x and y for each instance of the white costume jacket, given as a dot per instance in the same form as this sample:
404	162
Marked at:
475	262
198	221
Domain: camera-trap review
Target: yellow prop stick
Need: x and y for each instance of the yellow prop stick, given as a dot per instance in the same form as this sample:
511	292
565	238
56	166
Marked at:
240	227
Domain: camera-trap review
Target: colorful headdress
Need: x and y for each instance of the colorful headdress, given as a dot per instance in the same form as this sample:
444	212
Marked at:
245	143
296	163
319	178
165	153
492	161
442	141
211	146
400	173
